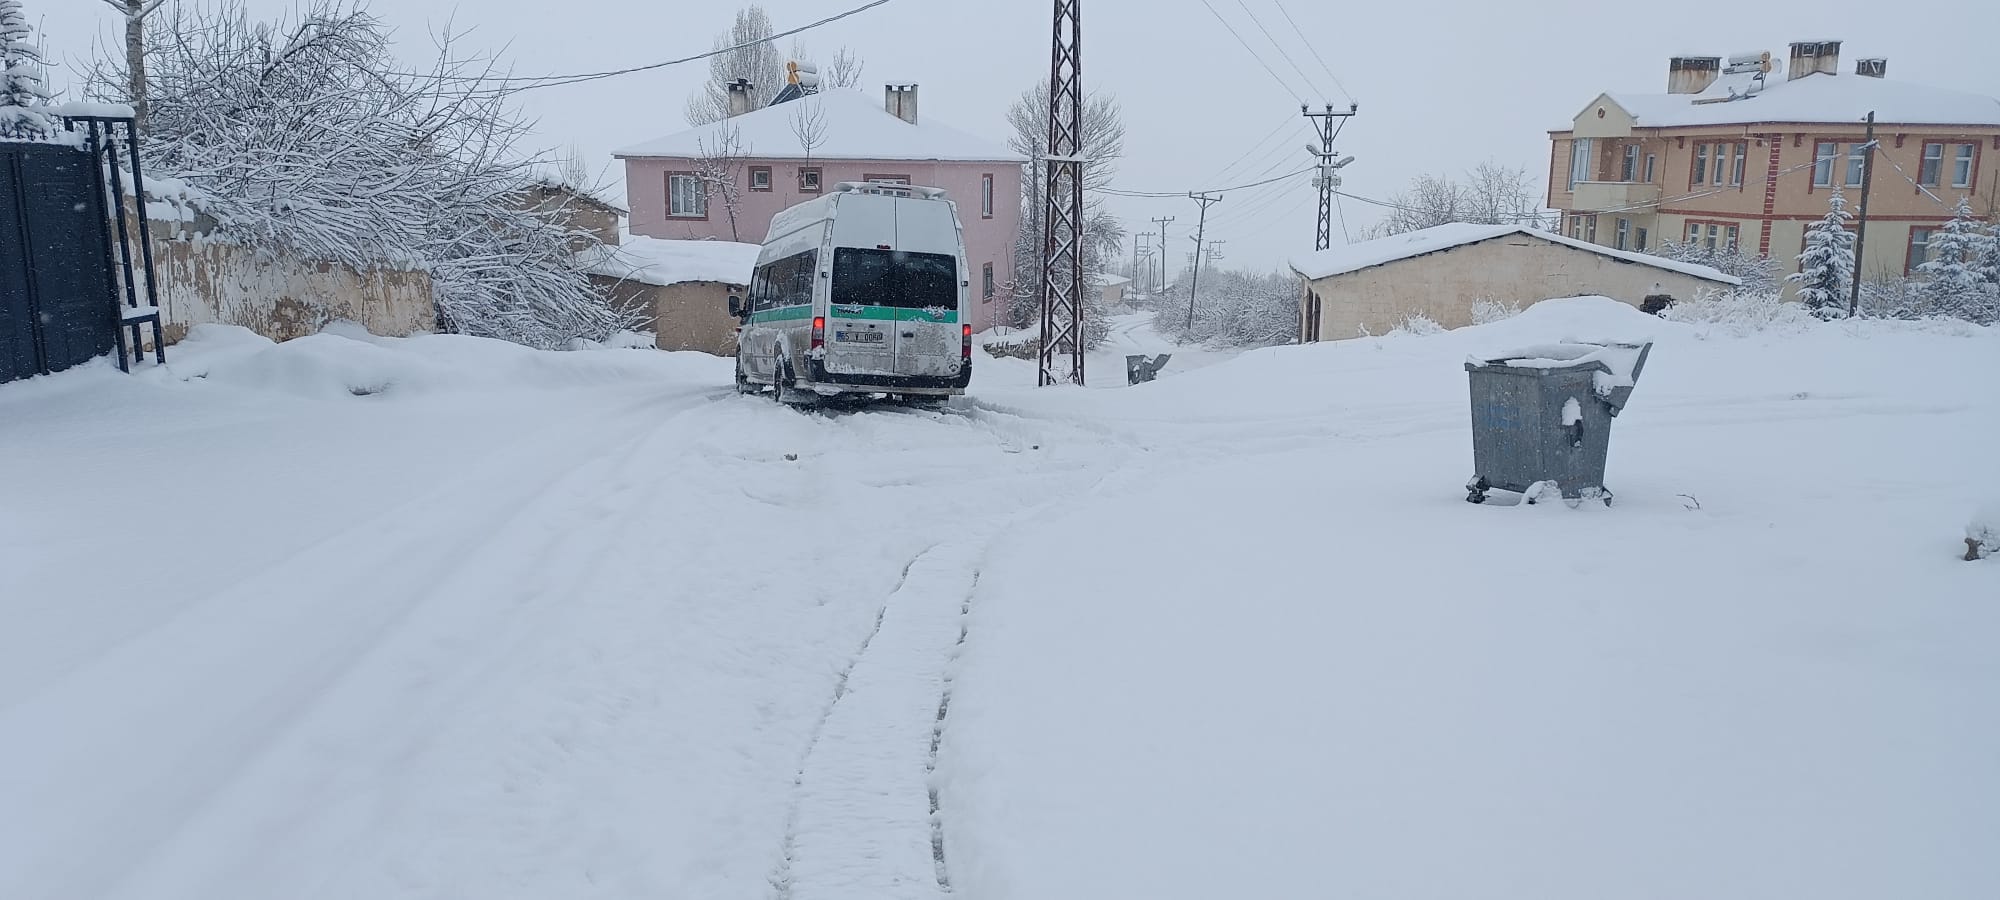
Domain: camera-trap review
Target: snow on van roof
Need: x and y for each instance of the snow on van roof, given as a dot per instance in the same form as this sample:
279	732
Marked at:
1817	98
857	127
1367	254
663	262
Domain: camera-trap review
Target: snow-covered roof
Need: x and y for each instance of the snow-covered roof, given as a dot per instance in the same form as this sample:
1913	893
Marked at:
656	261
857	127
1816	98
1367	254
1112	281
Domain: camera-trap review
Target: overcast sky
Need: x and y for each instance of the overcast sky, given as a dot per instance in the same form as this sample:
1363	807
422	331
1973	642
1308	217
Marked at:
1442	84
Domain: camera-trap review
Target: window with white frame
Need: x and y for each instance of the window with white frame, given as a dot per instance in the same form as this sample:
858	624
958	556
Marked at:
1961	165
1742	160
760	178
1857	165
1579	161
1824	153
1639	240
1650	160
986	195
1920	248
1932	167
687	197
1700	165
1694	232
1628	166
1624	237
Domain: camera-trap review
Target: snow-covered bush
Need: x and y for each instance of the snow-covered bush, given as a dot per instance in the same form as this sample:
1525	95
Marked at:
1953	283
1739	313
1758	273
308	136
1237	309
23	80
1487	312
1826	268
1418	325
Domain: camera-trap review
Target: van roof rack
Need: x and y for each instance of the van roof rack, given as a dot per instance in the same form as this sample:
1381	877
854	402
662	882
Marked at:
890	188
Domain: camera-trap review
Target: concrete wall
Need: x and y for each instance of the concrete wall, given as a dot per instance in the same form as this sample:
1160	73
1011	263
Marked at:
1512	269
689	316
989	240
205	281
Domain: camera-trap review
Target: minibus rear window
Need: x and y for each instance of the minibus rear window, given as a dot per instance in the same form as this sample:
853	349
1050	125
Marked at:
866	277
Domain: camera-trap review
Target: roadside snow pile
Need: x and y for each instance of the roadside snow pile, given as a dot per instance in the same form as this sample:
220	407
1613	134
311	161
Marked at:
345	361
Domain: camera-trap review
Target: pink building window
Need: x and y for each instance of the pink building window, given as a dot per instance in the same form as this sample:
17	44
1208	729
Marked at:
986	196
760	178
687	197
809	177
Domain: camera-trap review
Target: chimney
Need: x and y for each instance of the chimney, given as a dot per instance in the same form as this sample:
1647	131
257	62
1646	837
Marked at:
739	97
1876	67
1810	57
900	99
1692	74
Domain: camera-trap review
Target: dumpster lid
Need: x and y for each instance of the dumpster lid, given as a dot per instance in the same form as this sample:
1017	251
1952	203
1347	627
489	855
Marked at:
1618	364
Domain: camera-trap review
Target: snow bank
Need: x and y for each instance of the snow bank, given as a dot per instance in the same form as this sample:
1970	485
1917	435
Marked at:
346	362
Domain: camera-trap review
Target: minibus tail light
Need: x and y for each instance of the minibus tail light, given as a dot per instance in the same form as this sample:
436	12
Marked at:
819	332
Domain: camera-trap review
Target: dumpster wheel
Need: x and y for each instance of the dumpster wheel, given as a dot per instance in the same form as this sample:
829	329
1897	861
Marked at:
1475	490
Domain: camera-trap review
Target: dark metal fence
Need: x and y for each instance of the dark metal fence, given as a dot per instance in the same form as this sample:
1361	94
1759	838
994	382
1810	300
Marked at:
67	248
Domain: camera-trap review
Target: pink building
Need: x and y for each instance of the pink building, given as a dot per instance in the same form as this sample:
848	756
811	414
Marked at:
859	140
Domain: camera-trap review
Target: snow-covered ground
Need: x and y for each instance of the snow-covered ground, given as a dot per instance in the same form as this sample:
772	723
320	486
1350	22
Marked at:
445	618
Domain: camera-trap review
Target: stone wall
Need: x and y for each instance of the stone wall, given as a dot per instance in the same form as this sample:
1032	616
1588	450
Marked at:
205	280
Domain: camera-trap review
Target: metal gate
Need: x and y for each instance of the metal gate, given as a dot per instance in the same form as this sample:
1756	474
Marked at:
59	278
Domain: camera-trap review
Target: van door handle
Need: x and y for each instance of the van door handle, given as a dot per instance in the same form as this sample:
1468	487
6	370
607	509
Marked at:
909	334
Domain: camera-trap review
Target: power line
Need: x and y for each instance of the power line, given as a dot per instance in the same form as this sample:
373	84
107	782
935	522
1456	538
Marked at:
1274	43
1315	51
1262	144
1165	194
542	81
1253	52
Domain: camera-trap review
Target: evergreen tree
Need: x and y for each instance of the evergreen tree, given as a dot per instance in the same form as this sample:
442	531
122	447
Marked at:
1826	268
23	81
1953	286
1987	260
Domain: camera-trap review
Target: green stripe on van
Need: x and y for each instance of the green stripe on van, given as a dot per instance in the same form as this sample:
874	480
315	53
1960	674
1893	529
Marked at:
865	313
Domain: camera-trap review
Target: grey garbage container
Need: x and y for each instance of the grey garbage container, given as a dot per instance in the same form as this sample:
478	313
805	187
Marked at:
1543	414
1140	369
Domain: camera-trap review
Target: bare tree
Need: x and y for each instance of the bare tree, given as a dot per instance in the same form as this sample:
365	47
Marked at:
844	71
135	12
1103	145
1492	194
720	168
309	136
808	125
759	62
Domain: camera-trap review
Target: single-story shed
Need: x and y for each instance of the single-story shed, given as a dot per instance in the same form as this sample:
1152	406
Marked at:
681	287
1440	272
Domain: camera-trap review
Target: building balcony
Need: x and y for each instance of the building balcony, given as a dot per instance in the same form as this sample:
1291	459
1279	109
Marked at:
1615	195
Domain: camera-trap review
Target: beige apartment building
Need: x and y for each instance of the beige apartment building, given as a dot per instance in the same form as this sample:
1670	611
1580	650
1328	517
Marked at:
1744	152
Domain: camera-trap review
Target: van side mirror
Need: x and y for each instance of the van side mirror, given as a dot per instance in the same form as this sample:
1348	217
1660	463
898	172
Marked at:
736	306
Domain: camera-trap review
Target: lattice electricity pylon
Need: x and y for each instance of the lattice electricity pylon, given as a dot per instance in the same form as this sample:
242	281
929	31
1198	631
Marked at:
1062	214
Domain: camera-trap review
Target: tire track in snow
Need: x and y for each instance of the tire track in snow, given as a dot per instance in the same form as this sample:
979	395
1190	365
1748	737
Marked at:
862	819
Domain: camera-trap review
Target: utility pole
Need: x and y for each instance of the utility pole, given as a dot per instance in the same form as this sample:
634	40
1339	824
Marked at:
1861	223
1062	240
1326	181
1163	222
1200	229
1142	254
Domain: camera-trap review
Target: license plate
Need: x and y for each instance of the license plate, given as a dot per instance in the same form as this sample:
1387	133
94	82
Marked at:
858	337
